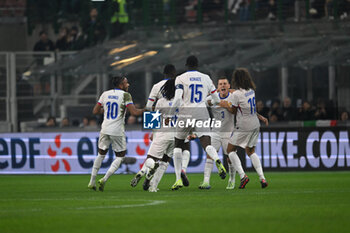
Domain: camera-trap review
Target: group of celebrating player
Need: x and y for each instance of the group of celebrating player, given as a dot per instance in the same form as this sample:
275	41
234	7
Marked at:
186	96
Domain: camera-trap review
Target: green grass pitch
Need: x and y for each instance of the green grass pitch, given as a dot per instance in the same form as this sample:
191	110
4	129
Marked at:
293	202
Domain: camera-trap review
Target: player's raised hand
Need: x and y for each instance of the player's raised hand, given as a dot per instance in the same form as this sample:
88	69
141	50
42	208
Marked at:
263	119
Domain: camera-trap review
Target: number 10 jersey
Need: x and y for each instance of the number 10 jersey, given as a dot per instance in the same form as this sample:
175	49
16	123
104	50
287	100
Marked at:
114	103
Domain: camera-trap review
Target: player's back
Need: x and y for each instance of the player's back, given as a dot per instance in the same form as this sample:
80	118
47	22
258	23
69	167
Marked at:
196	87
114	104
244	100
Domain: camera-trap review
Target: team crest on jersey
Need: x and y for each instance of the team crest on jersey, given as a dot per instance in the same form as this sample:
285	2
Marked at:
151	120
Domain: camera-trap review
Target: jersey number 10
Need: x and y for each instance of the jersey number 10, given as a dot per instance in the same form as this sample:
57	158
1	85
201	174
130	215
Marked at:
112	111
196	94
251	101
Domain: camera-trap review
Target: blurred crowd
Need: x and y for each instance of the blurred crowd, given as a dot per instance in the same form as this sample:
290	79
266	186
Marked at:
71	38
87	122
92	25
300	111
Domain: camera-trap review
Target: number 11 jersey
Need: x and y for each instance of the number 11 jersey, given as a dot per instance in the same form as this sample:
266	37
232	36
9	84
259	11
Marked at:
114	103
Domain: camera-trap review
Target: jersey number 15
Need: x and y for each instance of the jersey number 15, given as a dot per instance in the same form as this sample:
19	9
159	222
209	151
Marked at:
196	93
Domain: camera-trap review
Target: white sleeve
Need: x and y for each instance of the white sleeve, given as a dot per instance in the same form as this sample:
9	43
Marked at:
234	99
177	100
101	99
213	94
152	98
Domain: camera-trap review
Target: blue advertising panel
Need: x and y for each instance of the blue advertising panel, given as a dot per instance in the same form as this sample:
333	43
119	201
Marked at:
74	153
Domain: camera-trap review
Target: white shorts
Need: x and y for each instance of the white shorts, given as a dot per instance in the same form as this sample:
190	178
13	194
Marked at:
217	142
182	133
118	142
160	147
245	139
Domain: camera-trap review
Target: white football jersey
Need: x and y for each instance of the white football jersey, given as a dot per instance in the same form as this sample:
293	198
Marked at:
155	92
244	100
164	105
226	118
196	87
114	103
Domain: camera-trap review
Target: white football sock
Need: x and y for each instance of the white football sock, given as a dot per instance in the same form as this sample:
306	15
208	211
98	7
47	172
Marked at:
212	152
95	168
236	163
185	159
159	174
257	165
145	167
113	168
149	163
209	163
232	172
177	162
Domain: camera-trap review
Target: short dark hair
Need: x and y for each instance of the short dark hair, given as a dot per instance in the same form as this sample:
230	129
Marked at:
117	80
223	77
242	79
192	61
169	69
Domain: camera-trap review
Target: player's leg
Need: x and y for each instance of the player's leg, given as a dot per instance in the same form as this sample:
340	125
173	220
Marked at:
232	154
209	163
152	163
185	160
250	150
232	174
179	146
149	164
163	165
96	167
231	169
205	141
208	167
112	169
257	165
103	144
119	148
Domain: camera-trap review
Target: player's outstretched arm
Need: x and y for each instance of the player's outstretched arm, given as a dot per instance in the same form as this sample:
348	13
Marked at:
98	109
134	111
263	119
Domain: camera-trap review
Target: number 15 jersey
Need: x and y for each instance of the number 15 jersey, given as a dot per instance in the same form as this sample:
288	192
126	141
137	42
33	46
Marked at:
196	87
114	103
244	101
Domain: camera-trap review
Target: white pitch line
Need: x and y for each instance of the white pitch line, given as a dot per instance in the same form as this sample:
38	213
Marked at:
156	202
150	203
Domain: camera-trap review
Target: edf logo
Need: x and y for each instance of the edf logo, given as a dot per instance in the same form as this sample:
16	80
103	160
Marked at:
151	120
